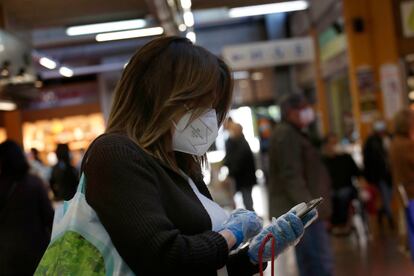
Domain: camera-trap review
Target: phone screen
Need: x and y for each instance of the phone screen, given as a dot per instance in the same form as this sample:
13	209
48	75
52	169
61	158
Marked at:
310	206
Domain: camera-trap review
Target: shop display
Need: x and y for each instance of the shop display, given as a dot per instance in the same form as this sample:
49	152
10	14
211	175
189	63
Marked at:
77	131
3	135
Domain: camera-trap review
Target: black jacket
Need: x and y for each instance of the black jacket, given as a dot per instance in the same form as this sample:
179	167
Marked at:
376	163
240	161
25	225
152	215
64	181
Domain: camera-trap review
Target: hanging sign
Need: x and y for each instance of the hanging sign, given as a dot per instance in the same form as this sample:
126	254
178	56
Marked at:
269	53
391	87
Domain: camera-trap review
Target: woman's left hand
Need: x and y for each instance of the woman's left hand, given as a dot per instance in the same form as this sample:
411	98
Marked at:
287	230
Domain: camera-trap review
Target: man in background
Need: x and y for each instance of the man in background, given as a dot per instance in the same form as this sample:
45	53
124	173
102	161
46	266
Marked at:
297	174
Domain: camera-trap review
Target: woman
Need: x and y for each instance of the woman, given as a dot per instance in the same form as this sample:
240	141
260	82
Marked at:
402	164
402	151
26	214
143	175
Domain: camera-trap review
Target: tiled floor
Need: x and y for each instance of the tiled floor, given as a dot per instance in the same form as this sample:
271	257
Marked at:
380	257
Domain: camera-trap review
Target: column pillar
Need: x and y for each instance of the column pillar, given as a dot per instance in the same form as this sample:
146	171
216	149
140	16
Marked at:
13	125
371	42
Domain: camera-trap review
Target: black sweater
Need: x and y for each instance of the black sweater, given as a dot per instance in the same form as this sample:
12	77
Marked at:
152	215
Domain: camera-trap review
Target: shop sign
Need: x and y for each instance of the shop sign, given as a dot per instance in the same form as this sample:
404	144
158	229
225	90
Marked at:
407	18
367	99
366	81
269	53
392	91
66	95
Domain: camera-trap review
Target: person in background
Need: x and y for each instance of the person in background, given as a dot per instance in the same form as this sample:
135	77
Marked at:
26	213
402	151
402	162
64	177
81	154
377	169
297	174
342	170
240	162
265	128
144	177
38	168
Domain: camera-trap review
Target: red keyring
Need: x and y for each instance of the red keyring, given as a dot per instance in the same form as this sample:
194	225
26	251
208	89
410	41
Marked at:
261	250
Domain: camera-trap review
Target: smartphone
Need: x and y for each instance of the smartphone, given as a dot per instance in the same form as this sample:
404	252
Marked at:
309	207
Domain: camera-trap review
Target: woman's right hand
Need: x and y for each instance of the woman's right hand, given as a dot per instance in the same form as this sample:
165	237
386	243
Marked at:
287	230
243	225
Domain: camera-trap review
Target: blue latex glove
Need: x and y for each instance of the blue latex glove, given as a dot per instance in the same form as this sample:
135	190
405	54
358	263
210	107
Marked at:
243	224
287	230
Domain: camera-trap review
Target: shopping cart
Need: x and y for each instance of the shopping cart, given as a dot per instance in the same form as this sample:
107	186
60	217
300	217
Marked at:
359	216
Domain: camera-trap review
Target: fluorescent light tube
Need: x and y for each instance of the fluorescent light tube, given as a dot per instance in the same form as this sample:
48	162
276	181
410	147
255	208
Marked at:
182	27
268	8
191	36
66	72
48	63
106	27
240	75
129	34
186	4
188	18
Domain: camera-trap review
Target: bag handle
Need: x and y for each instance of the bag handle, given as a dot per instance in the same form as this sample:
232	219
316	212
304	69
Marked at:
261	250
82	184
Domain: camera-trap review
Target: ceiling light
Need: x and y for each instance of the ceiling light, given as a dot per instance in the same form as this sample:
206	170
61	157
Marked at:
268	8
215	156
186	4
7	106
106	27
188	18
191	36
129	34
182	27
66	72
411	95
240	75
48	63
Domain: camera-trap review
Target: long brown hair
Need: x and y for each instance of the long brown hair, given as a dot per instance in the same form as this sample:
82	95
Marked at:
163	79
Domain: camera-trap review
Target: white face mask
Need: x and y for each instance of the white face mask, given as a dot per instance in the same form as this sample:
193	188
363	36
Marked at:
195	137
307	116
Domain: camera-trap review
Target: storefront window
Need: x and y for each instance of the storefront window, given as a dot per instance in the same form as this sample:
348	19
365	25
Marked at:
77	131
3	135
